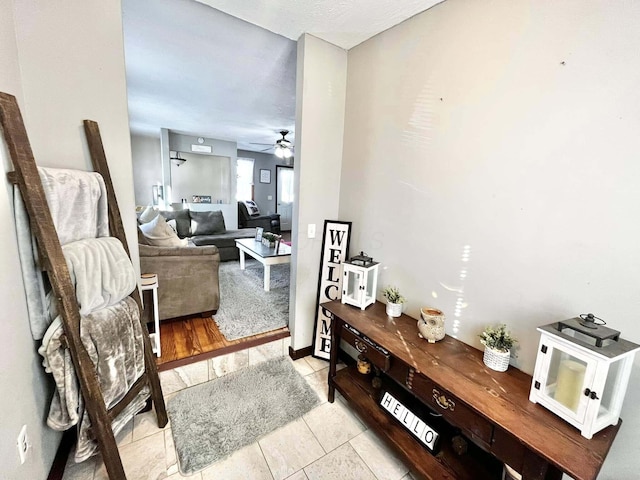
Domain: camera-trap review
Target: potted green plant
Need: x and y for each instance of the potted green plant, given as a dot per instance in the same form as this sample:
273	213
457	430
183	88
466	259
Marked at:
269	239
497	343
394	301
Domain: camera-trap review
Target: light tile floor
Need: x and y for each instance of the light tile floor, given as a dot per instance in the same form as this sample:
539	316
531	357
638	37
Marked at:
329	442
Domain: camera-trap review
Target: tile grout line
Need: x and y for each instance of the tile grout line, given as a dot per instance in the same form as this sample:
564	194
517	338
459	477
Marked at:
365	463
265	460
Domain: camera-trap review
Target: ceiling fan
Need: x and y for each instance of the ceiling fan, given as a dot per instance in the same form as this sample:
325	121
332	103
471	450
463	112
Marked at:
283	147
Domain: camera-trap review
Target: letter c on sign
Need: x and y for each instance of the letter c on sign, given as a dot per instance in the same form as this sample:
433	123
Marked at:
327	292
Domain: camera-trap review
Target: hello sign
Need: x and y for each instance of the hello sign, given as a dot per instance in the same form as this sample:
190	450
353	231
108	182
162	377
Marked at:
335	249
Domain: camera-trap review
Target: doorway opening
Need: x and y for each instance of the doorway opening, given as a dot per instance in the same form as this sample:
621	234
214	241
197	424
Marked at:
284	196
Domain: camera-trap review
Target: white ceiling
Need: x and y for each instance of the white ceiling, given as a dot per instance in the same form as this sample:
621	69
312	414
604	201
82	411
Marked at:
196	70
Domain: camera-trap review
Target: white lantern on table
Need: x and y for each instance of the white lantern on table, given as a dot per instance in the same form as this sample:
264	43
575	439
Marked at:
582	372
360	281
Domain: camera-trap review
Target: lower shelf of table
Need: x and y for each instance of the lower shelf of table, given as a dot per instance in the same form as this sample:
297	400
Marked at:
475	464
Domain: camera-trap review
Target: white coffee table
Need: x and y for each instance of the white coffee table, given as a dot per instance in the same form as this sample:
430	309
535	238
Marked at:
267	256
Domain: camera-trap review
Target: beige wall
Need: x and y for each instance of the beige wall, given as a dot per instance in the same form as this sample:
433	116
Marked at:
320	97
65	64
10	77
507	131
72	66
26	388
147	166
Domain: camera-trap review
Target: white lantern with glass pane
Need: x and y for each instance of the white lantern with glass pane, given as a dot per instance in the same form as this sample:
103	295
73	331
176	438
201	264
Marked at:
360	281
582	372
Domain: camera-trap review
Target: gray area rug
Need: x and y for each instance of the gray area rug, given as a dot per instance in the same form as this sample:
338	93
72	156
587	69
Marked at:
212	420
245	308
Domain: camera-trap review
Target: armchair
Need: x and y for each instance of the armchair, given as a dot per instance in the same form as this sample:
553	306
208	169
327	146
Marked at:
270	223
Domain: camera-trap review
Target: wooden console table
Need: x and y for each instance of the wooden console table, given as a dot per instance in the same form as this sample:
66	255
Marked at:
484	417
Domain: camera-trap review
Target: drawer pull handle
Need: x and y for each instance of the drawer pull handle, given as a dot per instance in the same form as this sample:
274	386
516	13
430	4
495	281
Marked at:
361	347
442	401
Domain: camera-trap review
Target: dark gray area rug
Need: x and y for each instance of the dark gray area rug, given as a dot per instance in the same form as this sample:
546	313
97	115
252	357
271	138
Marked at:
245	308
212	420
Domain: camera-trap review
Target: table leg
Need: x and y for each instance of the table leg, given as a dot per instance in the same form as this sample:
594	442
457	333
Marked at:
333	355
241	260
267	277
156	315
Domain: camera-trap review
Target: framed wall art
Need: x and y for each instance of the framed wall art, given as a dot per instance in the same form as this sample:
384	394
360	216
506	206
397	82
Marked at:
201	198
335	250
265	176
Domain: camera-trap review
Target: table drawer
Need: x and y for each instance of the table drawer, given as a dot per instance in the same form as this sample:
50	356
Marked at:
372	351
457	413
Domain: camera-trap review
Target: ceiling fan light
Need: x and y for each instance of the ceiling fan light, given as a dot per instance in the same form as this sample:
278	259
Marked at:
280	152
286	153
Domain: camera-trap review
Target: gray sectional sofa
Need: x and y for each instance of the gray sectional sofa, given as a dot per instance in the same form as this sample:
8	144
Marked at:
208	228
188	275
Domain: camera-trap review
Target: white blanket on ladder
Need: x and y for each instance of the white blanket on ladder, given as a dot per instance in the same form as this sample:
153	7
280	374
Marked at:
101	272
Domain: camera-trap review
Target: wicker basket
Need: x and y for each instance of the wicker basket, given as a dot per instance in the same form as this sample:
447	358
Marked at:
496	360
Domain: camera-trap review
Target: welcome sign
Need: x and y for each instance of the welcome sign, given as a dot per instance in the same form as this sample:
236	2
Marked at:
335	249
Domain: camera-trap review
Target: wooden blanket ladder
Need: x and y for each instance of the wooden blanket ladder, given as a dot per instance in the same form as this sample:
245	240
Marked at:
53	262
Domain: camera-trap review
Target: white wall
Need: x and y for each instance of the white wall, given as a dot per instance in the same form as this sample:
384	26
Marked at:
202	175
182	143
65	65
508	130
147	166
320	101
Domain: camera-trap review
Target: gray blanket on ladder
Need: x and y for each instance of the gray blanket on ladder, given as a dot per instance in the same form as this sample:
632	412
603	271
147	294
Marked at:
113	339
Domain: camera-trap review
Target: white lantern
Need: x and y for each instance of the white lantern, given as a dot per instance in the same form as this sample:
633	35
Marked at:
360	281
582	372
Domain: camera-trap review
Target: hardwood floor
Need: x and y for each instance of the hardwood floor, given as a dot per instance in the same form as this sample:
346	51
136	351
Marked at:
189	340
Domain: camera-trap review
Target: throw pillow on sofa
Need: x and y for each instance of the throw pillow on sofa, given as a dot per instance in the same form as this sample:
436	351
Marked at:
252	207
148	214
207	223
159	234
183	221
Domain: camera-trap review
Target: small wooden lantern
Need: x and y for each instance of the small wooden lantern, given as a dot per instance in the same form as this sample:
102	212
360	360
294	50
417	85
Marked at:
582	372
360	281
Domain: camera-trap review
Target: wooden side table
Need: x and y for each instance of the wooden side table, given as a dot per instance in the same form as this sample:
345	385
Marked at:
149	282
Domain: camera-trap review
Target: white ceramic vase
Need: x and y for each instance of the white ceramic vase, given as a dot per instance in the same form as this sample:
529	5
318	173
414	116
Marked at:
394	309
496	360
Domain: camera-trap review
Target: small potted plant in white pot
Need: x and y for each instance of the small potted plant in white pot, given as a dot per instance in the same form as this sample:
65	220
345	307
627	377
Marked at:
269	239
394	301
497	347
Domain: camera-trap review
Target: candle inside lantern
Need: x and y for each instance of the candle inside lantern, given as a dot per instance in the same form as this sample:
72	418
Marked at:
569	383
